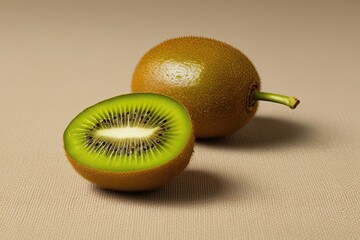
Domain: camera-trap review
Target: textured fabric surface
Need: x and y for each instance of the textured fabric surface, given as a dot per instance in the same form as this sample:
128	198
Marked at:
289	174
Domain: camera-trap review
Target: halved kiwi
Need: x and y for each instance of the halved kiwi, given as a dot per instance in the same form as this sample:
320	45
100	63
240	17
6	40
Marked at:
131	142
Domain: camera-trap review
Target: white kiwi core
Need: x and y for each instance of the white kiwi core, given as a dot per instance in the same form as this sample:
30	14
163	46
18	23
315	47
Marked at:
126	132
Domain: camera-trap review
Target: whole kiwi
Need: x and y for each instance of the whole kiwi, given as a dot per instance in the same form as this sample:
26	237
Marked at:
131	142
216	82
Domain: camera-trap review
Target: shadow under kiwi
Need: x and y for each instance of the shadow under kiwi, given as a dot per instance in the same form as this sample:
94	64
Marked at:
191	186
263	132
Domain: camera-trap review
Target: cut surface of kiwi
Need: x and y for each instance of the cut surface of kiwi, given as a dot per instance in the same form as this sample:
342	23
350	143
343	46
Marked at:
130	138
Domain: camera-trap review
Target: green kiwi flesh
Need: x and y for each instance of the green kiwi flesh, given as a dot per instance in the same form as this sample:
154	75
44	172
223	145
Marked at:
129	133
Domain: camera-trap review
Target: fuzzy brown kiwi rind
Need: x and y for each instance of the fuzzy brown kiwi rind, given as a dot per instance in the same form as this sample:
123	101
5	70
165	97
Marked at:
217	95
211	78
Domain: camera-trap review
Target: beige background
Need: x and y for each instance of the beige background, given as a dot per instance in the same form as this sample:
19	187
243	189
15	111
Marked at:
286	175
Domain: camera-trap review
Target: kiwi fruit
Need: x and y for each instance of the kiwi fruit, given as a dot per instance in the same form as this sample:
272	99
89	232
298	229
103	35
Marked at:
132	142
216	82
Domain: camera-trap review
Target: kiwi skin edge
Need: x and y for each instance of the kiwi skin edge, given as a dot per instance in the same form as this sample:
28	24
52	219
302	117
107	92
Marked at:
138	180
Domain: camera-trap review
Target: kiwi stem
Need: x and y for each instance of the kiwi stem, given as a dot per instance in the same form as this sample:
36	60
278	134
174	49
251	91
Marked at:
292	102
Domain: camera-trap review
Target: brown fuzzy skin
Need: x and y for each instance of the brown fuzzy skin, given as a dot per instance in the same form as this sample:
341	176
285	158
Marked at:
138	180
210	78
